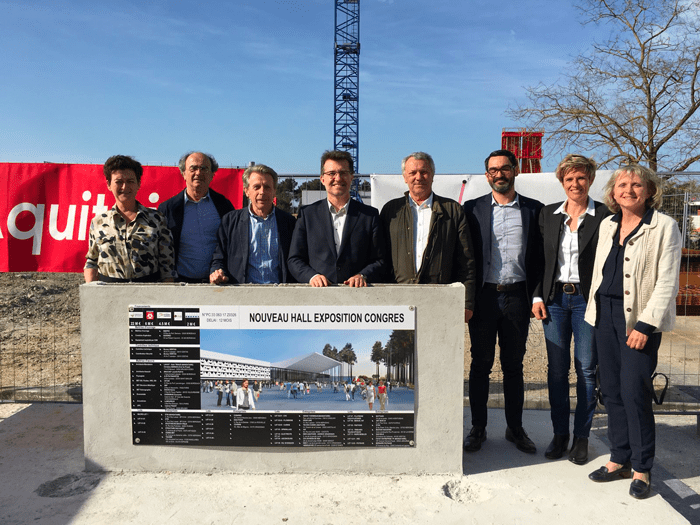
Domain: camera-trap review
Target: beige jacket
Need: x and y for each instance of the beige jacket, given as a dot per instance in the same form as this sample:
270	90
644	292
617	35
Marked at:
651	268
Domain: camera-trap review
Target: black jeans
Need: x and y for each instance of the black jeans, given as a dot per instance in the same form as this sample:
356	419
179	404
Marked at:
506	315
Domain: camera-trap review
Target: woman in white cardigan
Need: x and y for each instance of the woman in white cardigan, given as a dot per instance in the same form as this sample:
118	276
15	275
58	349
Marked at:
632	300
245	397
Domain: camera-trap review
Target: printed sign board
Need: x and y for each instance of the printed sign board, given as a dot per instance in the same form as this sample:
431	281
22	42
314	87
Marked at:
324	376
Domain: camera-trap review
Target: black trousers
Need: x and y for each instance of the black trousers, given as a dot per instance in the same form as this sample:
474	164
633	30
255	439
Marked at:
506	315
625	381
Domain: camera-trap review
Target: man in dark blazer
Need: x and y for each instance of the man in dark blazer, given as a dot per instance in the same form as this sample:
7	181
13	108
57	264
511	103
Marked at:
508	257
337	240
194	216
254	242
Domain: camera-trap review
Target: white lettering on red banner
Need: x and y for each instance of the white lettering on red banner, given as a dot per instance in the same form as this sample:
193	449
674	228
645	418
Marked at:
46	209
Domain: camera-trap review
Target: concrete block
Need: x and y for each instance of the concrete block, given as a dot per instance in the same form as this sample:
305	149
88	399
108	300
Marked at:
439	369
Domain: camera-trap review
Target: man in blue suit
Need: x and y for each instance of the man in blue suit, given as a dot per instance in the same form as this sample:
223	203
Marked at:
253	243
338	239
508	253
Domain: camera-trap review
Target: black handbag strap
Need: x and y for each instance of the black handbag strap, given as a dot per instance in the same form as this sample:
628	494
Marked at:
659	400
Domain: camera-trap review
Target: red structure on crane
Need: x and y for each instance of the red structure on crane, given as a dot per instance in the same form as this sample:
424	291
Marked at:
526	145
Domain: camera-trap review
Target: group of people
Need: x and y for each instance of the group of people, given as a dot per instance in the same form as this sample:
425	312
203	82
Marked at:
239	397
295	388
368	391
197	236
604	273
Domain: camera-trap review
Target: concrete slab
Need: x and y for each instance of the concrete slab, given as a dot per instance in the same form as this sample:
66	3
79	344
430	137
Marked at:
108	417
41	461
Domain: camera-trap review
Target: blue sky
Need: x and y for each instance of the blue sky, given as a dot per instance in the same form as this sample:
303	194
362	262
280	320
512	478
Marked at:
280	345
253	81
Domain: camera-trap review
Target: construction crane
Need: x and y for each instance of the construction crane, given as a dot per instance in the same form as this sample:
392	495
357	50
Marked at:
347	82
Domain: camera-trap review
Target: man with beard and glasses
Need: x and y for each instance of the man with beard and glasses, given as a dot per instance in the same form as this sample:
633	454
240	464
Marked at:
508	252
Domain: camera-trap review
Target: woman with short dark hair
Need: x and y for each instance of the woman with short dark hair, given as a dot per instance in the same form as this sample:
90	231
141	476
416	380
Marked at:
129	242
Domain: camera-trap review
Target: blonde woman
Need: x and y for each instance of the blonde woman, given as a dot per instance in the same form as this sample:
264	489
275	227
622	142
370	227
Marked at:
632	300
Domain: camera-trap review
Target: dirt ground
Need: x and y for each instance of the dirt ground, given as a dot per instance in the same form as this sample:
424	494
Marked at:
40	336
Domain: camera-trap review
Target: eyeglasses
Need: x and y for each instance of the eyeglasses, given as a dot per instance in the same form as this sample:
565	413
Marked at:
195	169
343	173
505	170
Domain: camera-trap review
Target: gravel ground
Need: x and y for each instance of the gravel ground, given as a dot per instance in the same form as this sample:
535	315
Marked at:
40	336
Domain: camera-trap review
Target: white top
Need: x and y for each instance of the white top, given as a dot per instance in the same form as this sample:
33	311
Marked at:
422	213
567	258
338	217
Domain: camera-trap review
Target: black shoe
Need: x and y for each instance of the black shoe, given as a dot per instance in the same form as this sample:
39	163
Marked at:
519	437
579	451
602	474
476	437
639	489
557	447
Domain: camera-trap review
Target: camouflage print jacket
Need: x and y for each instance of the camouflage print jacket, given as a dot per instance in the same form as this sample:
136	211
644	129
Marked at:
131	250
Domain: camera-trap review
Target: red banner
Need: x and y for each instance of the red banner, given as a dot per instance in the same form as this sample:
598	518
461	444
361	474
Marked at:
46	209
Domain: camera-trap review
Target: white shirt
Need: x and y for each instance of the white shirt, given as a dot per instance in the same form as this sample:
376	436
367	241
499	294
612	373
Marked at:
422	214
567	259
338	217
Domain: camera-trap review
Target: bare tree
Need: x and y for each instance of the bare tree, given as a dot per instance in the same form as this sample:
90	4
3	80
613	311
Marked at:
633	97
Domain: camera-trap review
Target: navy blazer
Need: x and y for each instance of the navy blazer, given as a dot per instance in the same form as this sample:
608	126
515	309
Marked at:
174	211
479	216
551	230
362	249
231	254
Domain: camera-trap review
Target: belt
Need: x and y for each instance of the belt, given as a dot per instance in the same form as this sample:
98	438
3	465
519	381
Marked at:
569	288
505	287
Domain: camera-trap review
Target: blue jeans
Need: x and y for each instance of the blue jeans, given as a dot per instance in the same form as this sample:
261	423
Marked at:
565	318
